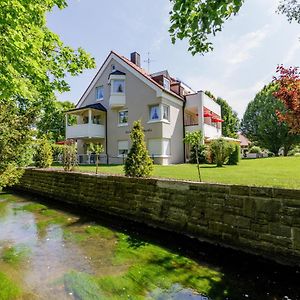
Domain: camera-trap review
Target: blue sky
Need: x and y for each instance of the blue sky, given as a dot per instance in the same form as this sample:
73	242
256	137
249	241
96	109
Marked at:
246	53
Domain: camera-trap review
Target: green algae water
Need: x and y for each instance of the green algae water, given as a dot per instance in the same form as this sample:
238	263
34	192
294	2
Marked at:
51	253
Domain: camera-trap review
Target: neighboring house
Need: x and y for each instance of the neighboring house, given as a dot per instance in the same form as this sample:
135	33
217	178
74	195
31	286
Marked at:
245	145
122	92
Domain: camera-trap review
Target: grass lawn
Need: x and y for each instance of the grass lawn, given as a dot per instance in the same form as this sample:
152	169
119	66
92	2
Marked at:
276	172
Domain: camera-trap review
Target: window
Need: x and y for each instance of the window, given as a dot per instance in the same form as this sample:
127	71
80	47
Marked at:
99	93
159	147
119	86
165	112
159	112
166	83
154	113
122	147
123	117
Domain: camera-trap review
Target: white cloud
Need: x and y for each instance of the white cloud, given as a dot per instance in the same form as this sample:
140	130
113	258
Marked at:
240	50
292	53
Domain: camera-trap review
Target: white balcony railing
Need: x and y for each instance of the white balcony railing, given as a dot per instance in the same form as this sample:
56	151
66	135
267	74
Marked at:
85	131
211	131
192	128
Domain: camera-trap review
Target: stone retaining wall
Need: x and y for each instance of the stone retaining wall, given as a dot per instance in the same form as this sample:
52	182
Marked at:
263	221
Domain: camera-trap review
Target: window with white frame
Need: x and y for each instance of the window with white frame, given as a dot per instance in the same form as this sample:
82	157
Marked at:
123	117
166	112
122	147
159	147
99	92
118	86
159	112
166	83
154	113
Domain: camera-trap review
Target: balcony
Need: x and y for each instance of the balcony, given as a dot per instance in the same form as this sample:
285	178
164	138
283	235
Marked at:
85	131
211	131
192	127
86	122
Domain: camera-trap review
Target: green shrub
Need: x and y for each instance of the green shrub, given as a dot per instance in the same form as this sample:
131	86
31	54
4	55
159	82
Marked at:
255	149
202	154
69	156
235	155
220	150
43	156
138	163
58	151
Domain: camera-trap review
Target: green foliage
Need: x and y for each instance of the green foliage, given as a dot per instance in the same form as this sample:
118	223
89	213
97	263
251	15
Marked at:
235	155
197	20
231	123
52	120
8	289
255	149
15	139
34	64
291	9
34	61
221	151
43	156
58	151
82	286
261	125
195	140
97	149
69	156
138	163
15	255
202	154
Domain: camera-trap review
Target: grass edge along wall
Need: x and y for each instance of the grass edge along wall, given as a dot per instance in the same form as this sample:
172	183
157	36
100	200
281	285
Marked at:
258	220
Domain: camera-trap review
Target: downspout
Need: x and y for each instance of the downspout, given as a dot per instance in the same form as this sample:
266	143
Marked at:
183	119
107	160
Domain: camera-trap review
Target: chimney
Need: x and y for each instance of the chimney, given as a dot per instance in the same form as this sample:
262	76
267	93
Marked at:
135	58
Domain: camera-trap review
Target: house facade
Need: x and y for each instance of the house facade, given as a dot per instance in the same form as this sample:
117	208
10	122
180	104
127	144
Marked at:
121	93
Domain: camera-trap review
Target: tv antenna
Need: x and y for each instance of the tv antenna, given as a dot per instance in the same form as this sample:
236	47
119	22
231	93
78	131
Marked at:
148	61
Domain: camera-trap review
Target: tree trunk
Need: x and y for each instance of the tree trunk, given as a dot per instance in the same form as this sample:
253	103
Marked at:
198	166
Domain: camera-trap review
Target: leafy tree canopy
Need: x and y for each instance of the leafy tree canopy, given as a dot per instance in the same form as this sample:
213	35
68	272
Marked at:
33	59
33	65
261	124
231	123
52	121
288	93
197	20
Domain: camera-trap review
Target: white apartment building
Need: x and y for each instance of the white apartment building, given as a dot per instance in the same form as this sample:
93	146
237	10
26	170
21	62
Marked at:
122	92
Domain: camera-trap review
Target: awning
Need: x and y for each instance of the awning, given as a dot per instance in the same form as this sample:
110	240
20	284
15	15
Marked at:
97	106
207	115
217	120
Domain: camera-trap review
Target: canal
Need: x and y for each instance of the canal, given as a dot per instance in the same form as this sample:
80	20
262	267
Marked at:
53	252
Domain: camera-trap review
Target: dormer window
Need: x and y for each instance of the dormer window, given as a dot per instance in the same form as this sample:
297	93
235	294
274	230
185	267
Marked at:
166	83
118	86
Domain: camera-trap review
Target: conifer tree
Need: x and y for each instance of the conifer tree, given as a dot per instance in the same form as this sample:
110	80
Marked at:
138	163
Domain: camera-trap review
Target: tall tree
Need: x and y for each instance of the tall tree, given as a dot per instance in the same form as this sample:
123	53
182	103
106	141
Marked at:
261	124
15	140
52	120
33	65
197	20
138	162
288	93
231	123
